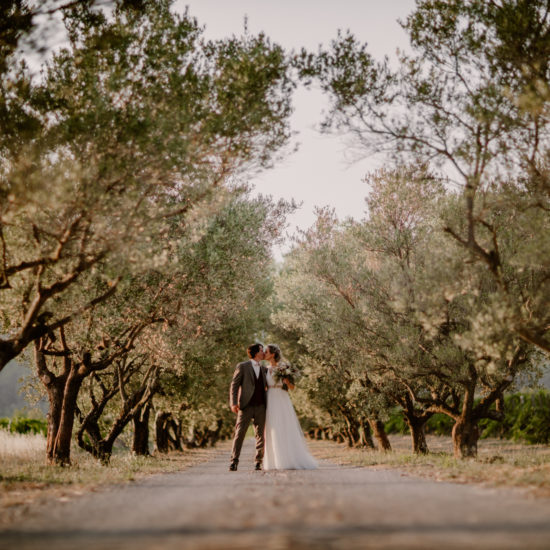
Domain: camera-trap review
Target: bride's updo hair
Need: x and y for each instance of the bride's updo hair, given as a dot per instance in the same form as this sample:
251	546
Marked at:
275	350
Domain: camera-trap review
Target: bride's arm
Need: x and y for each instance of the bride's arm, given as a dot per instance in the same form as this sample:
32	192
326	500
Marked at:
288	384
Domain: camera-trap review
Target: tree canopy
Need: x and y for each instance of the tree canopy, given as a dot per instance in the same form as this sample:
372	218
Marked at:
136	264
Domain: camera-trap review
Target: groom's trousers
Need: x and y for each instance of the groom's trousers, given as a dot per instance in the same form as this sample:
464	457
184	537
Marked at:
256	414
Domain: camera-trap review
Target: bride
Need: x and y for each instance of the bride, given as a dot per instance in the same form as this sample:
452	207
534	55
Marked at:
285	445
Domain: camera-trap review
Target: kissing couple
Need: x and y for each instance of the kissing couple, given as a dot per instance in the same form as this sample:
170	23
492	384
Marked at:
259	394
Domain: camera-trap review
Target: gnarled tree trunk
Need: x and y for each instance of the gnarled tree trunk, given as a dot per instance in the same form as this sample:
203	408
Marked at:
62	393
417	426
316	433
164	440
380	435
54	388
102	446
465	432
61	452
140	442
204	437
352	431
465	436
366	435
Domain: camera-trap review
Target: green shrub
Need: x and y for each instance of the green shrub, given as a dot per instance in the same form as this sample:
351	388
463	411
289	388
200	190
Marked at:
22	425
534	424
396	423
526	417
503	429
439	424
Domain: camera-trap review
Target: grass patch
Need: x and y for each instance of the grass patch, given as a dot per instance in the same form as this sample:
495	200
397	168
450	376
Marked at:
499	463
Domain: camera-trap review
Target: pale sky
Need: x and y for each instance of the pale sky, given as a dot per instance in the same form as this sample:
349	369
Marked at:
320	173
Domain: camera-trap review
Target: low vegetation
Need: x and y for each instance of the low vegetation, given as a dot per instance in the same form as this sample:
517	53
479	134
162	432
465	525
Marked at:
526	419
499	463
23	425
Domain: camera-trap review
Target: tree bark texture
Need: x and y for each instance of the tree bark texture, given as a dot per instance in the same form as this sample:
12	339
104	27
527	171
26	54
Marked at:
465	436
366	435
380	435
418	435
101	446
352	432
62	444
164	440
465	432
62	391
140	442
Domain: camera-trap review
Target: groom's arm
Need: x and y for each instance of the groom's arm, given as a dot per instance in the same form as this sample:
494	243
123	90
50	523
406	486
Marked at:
234	389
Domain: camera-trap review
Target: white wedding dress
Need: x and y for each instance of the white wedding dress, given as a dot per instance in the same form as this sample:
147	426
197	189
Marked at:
285	444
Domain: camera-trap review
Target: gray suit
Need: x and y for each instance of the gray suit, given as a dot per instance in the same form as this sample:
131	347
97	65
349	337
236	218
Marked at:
240	393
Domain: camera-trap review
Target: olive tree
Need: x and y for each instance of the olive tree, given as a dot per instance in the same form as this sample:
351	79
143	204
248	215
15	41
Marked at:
316	305
471	101
142	124
223	289
382	297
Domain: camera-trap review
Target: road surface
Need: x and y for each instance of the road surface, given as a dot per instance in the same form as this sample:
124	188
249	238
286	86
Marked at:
335	507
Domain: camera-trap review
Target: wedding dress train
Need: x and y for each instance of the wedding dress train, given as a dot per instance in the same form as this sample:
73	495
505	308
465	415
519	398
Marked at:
285	444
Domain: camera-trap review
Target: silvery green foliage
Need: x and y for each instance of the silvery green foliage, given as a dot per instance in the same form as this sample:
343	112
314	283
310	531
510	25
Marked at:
219	299
397	309
142	132
471	101
189	324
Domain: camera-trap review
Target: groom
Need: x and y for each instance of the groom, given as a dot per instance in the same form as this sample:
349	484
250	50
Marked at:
247	397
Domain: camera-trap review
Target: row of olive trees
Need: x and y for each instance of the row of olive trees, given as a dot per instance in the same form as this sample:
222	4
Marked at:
471	101
439	299
390	312
164	339
130	251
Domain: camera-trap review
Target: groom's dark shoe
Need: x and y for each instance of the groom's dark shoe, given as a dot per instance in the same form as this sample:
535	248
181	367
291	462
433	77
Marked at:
258	466
233	466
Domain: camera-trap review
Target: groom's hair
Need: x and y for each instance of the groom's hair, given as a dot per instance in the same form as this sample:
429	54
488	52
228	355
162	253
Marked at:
253	350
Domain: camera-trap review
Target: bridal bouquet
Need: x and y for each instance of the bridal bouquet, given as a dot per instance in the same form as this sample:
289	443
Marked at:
286	371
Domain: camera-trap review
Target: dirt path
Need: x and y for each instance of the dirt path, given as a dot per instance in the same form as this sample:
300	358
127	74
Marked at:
207	507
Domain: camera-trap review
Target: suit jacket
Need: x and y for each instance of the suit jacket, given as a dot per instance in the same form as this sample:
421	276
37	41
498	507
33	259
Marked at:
243	383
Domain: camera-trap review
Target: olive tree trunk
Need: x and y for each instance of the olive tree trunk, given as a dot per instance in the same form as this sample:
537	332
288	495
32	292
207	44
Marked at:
62	391
417	425
366	435
164	440
140	442
380	435
465	436
465	431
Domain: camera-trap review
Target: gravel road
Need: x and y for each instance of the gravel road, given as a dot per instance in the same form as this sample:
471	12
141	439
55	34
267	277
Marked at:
207	507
